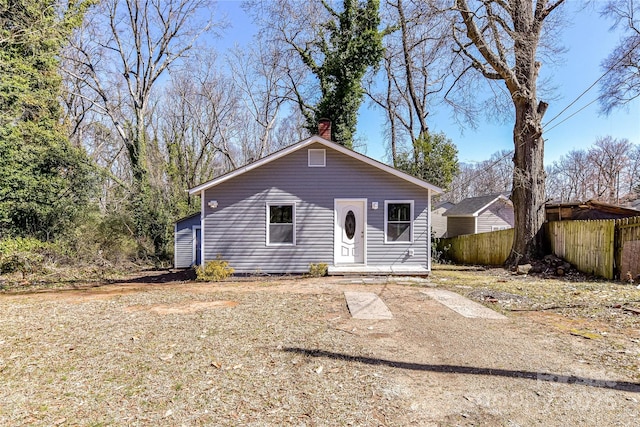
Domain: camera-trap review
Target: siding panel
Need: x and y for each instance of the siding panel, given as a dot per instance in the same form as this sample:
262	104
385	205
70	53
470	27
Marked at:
457	226
183	256
236	229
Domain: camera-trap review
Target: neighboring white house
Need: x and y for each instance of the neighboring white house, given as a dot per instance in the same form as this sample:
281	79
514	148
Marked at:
479	215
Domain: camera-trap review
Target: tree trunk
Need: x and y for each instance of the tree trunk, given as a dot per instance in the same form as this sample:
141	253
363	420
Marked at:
528	194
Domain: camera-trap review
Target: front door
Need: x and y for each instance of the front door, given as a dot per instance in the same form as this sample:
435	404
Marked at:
350	239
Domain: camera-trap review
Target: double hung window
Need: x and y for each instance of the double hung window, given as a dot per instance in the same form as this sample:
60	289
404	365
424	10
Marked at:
281	224
398	221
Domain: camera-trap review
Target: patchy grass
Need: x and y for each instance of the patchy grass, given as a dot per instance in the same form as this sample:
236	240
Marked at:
591	309
601	300
285	351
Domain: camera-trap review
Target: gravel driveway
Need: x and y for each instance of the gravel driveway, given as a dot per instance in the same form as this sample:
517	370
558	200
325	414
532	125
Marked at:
287	352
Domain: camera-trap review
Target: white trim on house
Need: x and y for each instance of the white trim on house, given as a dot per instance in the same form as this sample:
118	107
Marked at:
304	143
479	211
499	227
429	230
500	196
202	217
268	221
386	222
194	245
175	244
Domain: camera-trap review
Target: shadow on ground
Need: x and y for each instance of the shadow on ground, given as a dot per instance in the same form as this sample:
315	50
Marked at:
471	370
164	276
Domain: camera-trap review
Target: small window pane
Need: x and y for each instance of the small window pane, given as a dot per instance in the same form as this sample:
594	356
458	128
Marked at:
281	233
399	212
281	214
399	232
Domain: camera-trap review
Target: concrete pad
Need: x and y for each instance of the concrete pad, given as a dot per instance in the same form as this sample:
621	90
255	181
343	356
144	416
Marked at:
367	305
462	305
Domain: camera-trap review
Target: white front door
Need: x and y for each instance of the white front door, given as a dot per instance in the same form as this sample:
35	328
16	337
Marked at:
350	230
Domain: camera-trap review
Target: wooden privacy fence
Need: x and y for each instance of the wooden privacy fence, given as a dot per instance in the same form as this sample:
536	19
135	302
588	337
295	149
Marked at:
605	248
588	245
484	248
627	250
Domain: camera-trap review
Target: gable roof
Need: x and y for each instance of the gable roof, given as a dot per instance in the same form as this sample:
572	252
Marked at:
472	206
315	139
444	205
184	218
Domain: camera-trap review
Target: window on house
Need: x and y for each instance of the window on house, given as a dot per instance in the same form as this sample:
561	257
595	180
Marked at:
398	221
317	157
281	224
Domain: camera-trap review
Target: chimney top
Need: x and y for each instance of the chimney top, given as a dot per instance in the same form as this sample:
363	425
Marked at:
324	129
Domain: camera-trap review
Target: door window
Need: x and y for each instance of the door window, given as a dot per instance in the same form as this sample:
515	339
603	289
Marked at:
350	225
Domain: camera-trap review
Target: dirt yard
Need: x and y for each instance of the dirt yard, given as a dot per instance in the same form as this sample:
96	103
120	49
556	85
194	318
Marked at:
287	352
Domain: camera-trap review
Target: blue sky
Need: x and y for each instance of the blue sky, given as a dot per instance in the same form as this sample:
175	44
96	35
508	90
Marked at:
587	40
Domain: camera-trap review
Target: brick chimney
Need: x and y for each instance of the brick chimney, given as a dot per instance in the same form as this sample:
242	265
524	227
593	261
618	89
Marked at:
324	129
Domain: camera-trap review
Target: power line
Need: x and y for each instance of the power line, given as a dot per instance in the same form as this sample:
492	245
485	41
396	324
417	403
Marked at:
562	121
611	68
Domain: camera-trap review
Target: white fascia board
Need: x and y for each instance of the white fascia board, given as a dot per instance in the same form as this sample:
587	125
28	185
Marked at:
476	213
312	140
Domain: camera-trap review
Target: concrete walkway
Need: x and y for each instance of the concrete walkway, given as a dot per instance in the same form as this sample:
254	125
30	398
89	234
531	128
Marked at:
462	305
367	305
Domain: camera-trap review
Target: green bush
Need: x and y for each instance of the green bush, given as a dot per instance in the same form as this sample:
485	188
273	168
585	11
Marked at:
24	254
214	271
318	270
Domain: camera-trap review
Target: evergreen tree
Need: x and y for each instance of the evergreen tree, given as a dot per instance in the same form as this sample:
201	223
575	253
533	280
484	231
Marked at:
44	181
434	158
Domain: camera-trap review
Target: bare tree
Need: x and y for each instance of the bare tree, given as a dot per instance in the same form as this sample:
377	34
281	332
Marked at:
490	176
633	175
122	52
500	39
258	73
415	69
129	44
611	158
199	125
572	177
334	44
621	83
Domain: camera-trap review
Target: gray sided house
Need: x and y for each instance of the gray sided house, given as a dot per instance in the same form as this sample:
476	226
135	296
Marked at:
317	202
187	232
480	215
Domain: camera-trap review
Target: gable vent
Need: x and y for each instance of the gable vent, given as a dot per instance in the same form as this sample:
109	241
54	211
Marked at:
317	157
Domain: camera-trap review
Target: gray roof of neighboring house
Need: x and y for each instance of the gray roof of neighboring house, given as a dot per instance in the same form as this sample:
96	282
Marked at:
445	205
473	205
